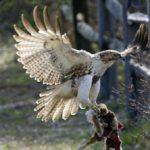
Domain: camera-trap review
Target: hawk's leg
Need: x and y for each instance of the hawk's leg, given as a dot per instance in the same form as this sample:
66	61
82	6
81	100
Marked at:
84	90
94	91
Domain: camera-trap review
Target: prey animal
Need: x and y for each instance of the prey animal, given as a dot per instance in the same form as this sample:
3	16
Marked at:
106	127
72	75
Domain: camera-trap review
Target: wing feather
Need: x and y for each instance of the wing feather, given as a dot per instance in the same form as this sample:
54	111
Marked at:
47	22
75	107
57	114
26	36
57	25
30	29
46	54
67	109
37	20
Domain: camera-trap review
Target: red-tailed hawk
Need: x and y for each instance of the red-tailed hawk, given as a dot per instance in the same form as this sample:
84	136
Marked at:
73	75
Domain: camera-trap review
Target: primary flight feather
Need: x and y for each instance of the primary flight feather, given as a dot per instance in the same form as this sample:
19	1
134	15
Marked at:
73	75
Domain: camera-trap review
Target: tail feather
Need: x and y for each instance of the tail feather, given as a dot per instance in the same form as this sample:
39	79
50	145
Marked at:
39	106
46	104
51	106
40	113
40	100
43	99
49	114
57	114
47	93
75	107
67	109
51	103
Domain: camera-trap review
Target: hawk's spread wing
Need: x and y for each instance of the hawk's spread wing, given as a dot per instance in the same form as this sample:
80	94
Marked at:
46	54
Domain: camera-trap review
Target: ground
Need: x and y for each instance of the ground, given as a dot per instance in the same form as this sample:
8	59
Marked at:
20	130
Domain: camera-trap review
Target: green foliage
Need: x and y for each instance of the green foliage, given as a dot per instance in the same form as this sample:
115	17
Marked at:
15	78
133	135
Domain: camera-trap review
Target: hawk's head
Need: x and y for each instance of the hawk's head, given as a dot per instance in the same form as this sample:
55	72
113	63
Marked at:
110	56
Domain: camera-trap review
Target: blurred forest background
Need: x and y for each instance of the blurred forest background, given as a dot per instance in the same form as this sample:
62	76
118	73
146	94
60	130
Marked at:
19	128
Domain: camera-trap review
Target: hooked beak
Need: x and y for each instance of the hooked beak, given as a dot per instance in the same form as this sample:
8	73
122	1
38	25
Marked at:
127	52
